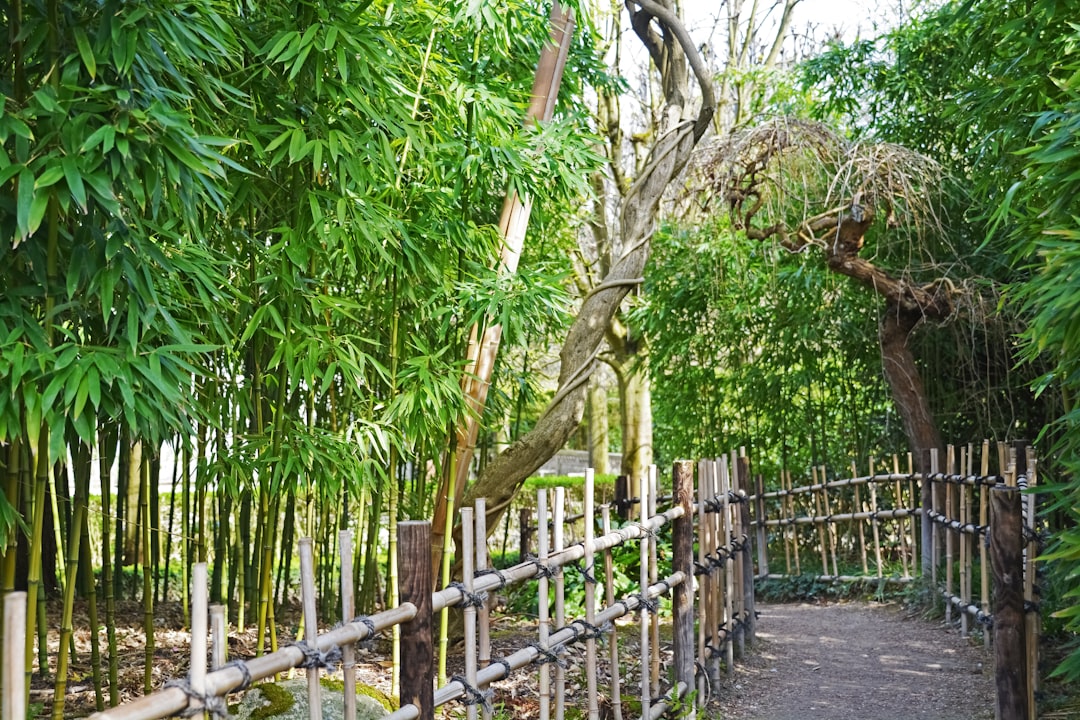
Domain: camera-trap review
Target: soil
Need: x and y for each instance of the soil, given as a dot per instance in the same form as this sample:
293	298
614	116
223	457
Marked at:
851	661
842	661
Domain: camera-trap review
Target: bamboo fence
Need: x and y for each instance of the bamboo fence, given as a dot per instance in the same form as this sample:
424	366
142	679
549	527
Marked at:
716	606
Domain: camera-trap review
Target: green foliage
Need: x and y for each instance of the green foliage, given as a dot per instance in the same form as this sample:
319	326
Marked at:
279	700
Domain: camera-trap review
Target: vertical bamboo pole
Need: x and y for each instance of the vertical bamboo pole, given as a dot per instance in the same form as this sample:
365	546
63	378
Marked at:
467	563
915	504
900	522
763	531
739	477
609	600
560	598
830	526
794	530
13	698
704	579
935	541
950	468
984	519
348	612
199	615
729	564
311	623
823	545
484	612
590	596
417	642
219	647
785	529
643	580
543	602
715	577
873	519
861	524
654	576
965	545
1031	605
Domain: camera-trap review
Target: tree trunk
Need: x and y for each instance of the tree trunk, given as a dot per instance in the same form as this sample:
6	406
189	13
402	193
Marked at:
671	51
598	427
635	390
905	381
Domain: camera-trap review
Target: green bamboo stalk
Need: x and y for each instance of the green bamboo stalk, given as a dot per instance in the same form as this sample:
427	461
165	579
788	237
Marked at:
66	631
185	514
447	560
12	491
164	594
33	579
148	588
86	563
105	464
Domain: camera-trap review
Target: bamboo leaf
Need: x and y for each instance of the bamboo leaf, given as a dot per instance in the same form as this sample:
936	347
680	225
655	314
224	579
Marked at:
85	51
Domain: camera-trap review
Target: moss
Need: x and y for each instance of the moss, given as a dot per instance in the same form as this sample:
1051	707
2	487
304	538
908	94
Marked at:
279	701
332	683
391	704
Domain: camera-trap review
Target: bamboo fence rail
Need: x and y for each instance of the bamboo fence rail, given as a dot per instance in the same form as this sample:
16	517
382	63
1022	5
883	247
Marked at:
711	580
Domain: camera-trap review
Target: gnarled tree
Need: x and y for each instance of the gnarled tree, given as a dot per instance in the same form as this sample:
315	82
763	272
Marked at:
684	122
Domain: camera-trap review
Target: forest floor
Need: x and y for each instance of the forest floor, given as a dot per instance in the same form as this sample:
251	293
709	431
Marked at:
837	661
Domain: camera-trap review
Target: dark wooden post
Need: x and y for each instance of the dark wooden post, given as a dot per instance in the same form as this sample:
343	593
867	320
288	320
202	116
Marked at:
417	639
682	536
1007	560
622	497
525	536
926	467
762	531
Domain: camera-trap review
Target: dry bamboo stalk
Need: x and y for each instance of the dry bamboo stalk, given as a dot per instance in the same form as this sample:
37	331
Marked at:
874	522
13	697
788	533
729	590
218	645
935	541
467	576
483	614
311	624
590	598
823	545
703	581
950	460
643	506
199	615
654	619
609	600
560	600
842	517
861	524
737	598
348	612
794	534
965	544
915	502
715	610
542	601
984	563
899	503
831	529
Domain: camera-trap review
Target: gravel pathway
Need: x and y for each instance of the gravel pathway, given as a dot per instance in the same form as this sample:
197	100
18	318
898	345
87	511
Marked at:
854	661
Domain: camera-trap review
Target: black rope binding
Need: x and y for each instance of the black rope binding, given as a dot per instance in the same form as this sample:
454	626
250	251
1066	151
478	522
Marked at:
586	572
503	580
213	704
651	605
473	694
505	666
543	570
372	633
316	658
240	665
469	599
585	630
546	656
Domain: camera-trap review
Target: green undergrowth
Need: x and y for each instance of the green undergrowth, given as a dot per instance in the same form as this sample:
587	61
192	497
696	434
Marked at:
568	481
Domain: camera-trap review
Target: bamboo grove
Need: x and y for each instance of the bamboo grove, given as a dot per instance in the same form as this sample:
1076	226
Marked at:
246	242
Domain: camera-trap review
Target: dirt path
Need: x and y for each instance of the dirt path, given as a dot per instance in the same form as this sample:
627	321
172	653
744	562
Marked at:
856	661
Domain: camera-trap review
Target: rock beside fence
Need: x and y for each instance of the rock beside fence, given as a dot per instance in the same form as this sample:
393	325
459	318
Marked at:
259	705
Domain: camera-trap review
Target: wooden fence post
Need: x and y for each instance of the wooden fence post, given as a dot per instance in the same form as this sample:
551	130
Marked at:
417	641
682	607
525	533
1007	557
748	581
927	466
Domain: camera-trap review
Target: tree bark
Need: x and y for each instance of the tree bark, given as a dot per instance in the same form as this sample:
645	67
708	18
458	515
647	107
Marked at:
672	50
635	390
598	427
